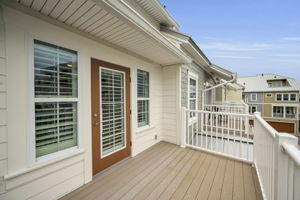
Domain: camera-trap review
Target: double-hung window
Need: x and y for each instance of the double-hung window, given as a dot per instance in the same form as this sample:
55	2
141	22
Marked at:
253	97
55	98
285	97
192	95
278	97
143	99
293	97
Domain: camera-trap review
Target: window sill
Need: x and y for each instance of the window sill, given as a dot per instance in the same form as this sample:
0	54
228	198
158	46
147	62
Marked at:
144	129
41	164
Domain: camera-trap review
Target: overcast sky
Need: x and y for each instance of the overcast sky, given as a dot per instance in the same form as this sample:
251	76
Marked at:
245	36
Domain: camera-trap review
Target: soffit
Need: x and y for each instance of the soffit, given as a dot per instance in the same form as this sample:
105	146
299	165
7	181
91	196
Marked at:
90	18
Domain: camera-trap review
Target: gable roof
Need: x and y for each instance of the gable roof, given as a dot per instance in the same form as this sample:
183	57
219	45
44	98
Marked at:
259	83
187	44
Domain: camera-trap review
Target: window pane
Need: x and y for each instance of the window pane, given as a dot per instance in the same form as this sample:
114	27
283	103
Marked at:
293	97
285	97
290	112
278	111
112	112
55	71
142	84
143	112
55	127
279	97
193	88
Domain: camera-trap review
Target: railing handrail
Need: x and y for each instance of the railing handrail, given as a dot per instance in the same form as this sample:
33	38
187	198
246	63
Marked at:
214	112
228	105
293	152
265	124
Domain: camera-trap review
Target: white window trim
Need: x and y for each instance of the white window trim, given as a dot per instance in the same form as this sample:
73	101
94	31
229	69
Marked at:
149	125
278	106
194	76
277	95
290	99
253	95
284	110
252	106
32	160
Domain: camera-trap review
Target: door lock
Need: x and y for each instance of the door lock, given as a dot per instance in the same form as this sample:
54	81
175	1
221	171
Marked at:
95	115
96	123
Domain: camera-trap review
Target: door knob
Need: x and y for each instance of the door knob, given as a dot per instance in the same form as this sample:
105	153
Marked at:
95	115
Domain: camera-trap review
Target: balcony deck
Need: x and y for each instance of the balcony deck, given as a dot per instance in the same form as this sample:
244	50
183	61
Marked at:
166	171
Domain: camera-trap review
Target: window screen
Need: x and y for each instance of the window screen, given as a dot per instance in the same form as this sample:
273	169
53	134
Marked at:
143	98
55	88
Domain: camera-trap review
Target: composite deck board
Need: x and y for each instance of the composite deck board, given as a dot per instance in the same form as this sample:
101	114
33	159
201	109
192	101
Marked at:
216	189
228	181
166	171
238	182
92	186
256	185
122	178
248	182
186	182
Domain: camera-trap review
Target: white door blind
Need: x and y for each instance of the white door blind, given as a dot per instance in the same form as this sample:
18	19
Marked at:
113	111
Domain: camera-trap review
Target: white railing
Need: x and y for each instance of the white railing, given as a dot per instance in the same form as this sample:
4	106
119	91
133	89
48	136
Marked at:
276	159
226	134
227	108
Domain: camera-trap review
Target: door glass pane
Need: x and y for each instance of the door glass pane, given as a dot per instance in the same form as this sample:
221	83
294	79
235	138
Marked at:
112	111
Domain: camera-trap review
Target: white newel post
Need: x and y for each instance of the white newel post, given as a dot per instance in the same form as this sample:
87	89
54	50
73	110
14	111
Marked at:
284	168
256	139
183	126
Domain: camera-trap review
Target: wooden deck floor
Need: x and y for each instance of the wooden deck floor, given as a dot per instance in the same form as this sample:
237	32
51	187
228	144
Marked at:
166	171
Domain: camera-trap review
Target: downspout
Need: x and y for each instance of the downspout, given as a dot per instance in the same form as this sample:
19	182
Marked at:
216	86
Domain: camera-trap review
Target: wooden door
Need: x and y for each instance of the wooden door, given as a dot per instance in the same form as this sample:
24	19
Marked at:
110	85
283	127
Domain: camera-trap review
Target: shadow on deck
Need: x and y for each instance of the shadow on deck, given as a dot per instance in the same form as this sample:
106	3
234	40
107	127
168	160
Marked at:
166	171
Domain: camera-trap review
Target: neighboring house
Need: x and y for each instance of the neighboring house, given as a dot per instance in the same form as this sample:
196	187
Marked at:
86	84
230	93
276	97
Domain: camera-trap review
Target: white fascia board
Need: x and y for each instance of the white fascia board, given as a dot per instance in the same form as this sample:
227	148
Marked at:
195	54
123	11
157	5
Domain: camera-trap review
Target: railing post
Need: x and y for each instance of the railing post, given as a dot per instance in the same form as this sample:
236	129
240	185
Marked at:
183	126
283	169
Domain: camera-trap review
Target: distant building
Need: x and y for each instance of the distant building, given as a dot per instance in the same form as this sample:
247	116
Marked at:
276	97
230	93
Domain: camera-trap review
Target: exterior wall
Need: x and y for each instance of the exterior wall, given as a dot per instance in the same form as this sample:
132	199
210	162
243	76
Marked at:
257	103
3	105
54	177
219	94
171	104
234	95
273	98
268	108
202	78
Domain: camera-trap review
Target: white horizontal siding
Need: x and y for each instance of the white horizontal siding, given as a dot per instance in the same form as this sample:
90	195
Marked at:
62	177
171	104
146	138
3	105
46	182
